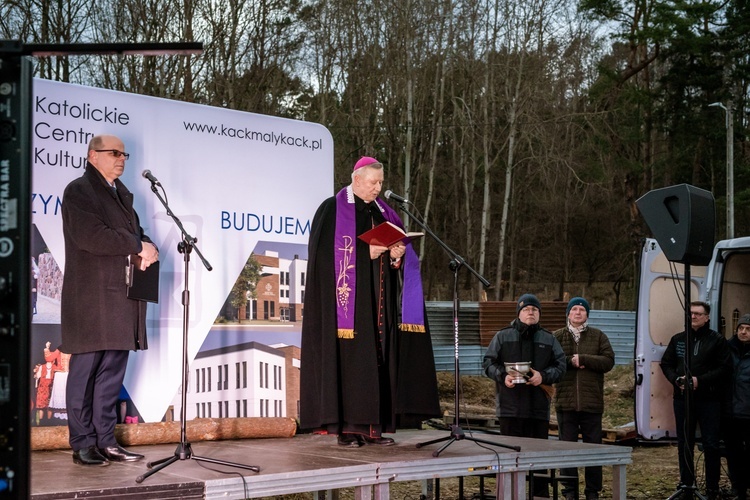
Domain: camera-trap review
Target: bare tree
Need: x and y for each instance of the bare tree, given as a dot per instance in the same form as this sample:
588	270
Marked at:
48	21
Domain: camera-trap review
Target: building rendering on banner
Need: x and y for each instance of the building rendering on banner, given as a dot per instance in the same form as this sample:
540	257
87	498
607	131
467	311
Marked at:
244	380
280	291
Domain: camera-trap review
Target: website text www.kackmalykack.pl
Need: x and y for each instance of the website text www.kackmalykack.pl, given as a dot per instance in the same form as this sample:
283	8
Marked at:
275	138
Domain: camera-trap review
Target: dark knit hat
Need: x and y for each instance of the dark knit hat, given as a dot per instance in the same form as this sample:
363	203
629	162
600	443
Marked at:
528	299
578	301
745	320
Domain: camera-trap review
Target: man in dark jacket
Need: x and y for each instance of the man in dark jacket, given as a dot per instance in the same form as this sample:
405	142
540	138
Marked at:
523	408
100	324
579	399
367	365
738	435
710	368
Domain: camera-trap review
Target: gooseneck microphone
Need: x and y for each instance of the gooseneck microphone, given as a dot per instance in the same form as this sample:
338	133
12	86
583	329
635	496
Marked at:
390	195
148	175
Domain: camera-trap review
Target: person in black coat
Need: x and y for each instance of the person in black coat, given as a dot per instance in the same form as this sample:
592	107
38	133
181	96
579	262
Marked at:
710	369
738	435
367	366
100	324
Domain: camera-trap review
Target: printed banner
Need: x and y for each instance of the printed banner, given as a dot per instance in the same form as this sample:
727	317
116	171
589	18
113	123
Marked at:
241	184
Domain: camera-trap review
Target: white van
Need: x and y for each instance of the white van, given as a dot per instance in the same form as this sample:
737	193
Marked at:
724	283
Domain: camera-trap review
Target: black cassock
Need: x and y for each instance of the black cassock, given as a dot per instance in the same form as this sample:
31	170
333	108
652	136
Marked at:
383	378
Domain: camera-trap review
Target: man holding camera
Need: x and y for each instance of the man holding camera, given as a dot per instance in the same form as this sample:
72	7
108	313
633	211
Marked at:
708	375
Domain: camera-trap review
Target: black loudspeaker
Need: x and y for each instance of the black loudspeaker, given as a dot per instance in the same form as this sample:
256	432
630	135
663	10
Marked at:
15	273
683	220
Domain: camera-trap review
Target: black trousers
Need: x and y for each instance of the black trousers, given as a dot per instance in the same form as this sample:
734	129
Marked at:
707	414
92	393
589	426
738	455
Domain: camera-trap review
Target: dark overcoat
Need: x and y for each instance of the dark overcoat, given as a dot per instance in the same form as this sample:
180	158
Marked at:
740	393
340	380
101	229
583	390
709	361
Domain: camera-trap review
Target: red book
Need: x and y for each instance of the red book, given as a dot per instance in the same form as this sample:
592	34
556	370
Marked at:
387	234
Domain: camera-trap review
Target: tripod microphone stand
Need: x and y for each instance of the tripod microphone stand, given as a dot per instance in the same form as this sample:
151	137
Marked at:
456	263
688	490
184	450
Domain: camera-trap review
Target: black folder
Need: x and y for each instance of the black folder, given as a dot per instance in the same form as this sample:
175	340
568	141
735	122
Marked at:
143	285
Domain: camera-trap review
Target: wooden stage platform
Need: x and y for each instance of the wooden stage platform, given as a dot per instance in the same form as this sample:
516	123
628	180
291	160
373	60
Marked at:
308	463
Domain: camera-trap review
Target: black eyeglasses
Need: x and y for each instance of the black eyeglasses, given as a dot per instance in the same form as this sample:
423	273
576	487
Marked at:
115	152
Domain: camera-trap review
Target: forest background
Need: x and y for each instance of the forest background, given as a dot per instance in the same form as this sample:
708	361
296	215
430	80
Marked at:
522	130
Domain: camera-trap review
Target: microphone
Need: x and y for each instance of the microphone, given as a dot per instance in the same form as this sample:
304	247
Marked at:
148	175
390	195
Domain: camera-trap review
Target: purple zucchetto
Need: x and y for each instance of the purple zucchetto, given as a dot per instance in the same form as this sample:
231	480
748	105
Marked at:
366	161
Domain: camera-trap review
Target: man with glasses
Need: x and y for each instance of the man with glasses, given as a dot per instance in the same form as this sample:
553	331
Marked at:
706	377
100	324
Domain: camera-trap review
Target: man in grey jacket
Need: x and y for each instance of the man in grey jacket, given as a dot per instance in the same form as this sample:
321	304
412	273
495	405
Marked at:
523	408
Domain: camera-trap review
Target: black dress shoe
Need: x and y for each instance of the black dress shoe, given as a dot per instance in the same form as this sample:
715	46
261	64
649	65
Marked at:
380	441
89	456
117	453
349	440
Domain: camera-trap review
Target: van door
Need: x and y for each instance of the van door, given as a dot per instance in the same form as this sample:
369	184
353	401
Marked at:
660	314
728	290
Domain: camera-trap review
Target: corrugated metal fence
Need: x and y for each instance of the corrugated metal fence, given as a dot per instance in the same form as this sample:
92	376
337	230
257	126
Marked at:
473	331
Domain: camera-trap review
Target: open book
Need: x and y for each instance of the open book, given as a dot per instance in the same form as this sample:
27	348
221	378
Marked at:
387	234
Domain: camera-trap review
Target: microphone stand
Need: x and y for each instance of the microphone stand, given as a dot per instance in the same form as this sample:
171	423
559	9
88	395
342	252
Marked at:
455	264
688	490
184	450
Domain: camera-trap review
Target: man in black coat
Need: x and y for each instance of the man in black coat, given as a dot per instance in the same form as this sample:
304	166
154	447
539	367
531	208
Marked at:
100	324
367	364
710	369
737	436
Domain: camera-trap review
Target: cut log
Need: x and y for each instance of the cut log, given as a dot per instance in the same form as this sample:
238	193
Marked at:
200	429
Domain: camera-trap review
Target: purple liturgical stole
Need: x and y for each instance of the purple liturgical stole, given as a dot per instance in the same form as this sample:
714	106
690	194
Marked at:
345	253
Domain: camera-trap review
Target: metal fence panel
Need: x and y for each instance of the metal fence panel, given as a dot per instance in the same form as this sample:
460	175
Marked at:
618	325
